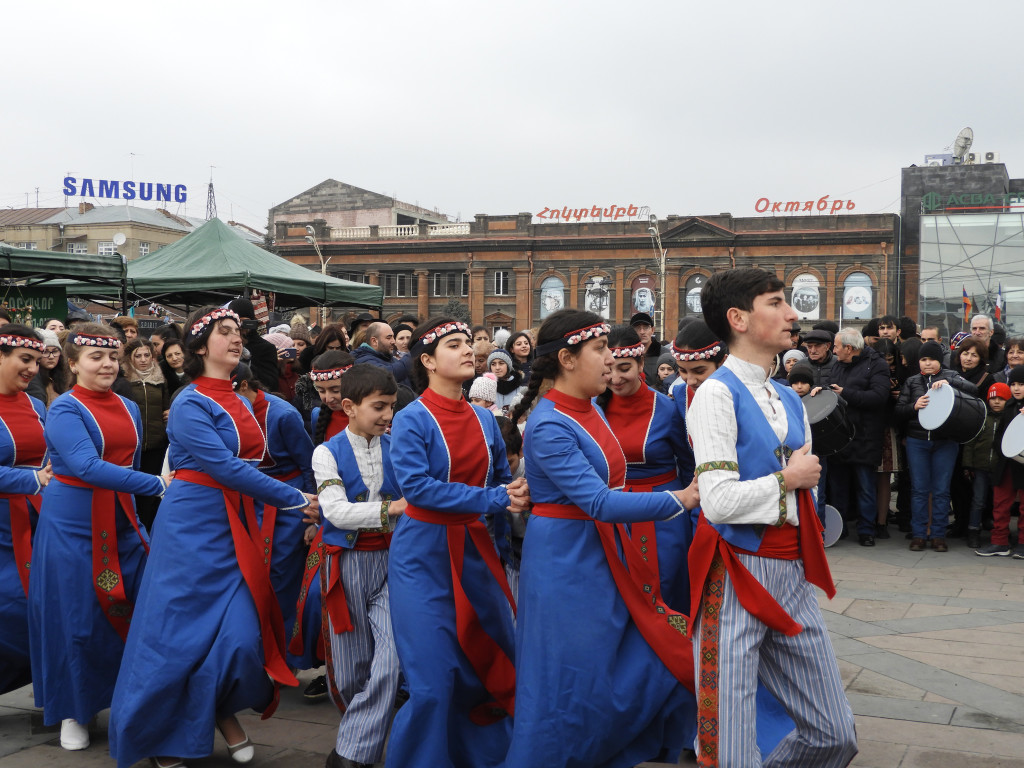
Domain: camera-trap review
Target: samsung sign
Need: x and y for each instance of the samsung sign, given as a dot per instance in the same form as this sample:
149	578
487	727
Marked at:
125	190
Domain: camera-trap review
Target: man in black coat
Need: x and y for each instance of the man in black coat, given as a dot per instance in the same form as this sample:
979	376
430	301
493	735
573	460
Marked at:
378	350
818	344
861	377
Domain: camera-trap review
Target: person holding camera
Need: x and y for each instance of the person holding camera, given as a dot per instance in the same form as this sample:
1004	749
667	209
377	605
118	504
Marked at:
262	354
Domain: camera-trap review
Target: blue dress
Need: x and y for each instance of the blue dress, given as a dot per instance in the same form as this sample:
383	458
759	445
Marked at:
22	454
590	691
195	651
449	458
94	440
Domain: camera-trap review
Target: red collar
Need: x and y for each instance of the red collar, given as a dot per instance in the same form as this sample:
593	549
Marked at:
568	402
431	397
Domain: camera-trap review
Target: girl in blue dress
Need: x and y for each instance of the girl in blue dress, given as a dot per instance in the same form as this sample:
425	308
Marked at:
24	472
207	638
603	664
90	549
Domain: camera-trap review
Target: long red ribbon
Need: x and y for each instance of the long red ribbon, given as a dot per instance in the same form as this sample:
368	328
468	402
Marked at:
21	532
491	664
313	562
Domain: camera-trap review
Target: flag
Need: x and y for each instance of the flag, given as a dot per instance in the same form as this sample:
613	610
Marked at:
967	306
999	303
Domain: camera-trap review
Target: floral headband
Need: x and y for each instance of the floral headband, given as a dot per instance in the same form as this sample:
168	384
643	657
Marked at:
89	340
437	332
209	319
689	355
328	374
574	337
22	341
637	350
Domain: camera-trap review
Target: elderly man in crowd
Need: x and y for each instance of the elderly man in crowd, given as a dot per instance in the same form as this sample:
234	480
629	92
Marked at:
818	344
982	329
861	377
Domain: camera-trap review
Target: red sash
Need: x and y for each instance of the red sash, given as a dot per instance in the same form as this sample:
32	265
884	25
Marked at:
270	517
661	627
255	568
21	531
107	579
334	601
491	664
313	560
644	535
754	598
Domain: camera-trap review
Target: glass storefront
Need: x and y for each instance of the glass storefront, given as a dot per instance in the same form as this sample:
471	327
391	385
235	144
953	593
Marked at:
981	254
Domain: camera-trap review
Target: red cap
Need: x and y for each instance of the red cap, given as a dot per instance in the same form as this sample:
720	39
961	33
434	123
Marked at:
999	390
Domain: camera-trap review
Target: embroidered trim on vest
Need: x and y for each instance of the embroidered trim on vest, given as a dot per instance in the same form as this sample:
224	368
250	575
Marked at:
711	466
328	483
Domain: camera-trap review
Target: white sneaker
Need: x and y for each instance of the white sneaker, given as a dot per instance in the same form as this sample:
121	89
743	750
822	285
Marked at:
73	735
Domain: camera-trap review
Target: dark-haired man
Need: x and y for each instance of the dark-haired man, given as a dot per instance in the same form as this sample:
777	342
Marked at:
758	544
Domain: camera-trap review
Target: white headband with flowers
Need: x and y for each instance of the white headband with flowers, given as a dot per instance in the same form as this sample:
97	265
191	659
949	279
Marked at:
89	340
211	317
637	350
689	355
328	374
437	332
574	337
22	341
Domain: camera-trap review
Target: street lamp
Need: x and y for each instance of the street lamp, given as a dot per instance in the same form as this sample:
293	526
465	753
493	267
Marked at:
660	254
311	239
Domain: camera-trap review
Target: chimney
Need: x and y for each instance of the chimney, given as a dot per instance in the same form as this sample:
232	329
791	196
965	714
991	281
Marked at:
84	207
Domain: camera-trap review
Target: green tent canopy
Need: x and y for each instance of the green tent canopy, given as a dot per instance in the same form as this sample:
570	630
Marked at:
42	266
213	264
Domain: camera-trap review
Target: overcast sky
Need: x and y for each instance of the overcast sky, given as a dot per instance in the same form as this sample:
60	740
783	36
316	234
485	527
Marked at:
496	107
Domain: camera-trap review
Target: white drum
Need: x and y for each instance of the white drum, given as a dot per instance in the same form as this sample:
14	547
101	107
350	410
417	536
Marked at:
1013	439
833	525
952	415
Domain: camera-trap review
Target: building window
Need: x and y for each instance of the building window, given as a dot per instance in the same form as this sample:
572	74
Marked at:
143	249
78	248
399	285
496	328
27	246
501	283
450	284
552	296
106	248
354	277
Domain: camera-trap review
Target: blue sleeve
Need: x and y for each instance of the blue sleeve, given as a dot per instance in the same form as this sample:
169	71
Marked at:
205	445
555	452
685	463
411	438
312	420
79	453
297	442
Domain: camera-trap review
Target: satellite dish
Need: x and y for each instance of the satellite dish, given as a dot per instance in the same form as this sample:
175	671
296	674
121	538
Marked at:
962	143
120	239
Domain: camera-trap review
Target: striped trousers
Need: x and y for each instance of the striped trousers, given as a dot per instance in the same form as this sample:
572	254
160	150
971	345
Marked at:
732	649
364	663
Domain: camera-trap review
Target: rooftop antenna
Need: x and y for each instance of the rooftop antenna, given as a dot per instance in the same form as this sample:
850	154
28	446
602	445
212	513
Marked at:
961	144
211	201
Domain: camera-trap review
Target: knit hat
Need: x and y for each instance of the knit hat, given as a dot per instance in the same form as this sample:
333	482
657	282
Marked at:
826	325
281	328
500	337
999	390
300	332
1016	375
870	327
500	354
279	340
793	354
666	358
932	350
485	387
801	372
956	338
49	337
243	308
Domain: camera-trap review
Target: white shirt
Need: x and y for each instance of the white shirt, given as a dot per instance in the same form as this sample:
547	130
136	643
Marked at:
711	422
334	503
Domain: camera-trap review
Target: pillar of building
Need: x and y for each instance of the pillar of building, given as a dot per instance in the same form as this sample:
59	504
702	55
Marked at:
620	293
573	300
831	311
670	303
373	276
423	293
524	298
477	284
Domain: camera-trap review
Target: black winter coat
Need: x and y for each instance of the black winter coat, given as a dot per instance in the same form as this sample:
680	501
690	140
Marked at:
865	383
918	385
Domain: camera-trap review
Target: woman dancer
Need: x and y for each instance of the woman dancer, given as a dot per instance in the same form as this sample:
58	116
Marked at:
601	694
450	601
24	472
207	639
90	551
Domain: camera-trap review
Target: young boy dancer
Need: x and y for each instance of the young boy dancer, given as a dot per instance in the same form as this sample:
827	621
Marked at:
360	497
758	544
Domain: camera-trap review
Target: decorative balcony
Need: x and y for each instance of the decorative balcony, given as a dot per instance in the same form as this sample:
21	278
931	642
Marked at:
447	230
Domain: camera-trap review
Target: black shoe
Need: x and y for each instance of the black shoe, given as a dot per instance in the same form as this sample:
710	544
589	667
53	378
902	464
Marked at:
956	533
881	532
867	540
334	760
316	690
973	539
903	528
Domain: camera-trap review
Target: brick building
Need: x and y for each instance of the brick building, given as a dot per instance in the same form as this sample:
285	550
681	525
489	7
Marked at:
511	272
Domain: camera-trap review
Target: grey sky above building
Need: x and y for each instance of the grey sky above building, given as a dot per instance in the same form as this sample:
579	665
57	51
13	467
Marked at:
682	107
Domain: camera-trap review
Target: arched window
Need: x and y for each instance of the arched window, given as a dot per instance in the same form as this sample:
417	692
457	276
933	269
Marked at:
552	296
806	298
597	293
858	297
693	287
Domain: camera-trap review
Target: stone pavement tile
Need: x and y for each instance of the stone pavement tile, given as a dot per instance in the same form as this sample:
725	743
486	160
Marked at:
900	709
1009	628
847	626
862	591
981	636
922	757
966	665
876	610
905	587
895	581
854	564
972	718
920	610
848	648
878	754
971	743
835	605
1004	569
973	568
964	582
872	683
23	729
1007	593
847	671
953	648
291	734
955	621
929	696
1002	682
51	755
